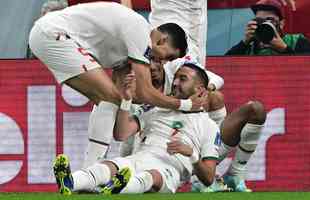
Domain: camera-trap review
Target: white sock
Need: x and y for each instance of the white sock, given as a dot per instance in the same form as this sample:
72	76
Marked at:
100	131
83	181
249	139
218	115
91	177
140	183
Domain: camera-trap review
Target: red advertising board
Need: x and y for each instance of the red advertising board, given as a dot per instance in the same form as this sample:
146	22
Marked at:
282	84
39	119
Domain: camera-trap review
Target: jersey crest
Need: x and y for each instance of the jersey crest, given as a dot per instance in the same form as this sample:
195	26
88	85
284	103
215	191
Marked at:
176	126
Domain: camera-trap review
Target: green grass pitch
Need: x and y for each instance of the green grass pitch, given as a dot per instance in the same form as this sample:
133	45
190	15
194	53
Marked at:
179	196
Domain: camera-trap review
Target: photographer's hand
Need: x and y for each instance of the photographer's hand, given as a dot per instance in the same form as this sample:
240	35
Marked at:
250	31
277	43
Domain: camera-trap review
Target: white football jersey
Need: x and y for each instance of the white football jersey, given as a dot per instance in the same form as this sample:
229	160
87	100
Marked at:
112	33
197	130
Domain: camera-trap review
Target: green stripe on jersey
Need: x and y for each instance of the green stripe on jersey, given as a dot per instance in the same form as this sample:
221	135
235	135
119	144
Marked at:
137	61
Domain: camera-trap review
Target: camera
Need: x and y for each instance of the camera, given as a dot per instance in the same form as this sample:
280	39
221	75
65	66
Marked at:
265	31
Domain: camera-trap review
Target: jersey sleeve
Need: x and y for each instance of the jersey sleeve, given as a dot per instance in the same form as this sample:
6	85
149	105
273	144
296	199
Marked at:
143	114
211	140
138	42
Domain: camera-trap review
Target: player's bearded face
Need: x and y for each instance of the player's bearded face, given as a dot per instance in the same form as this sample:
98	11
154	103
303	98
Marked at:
184	83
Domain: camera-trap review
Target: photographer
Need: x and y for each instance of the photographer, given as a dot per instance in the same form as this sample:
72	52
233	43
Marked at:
264	34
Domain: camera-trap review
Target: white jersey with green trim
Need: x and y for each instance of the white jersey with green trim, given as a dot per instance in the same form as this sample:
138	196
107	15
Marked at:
112	33
160	126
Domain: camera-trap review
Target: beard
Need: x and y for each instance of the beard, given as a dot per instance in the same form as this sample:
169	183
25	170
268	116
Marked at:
179	93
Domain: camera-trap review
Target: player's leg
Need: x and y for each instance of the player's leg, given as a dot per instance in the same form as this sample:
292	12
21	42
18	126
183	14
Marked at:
96	85
103	114
100	132
203	33
161	177
145	181
86	179
152	174
196	26
243	128
154	180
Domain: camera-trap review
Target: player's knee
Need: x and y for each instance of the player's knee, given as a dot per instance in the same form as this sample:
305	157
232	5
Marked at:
258	113
216	100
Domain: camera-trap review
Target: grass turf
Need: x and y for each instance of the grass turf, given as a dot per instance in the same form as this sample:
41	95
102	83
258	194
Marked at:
179	196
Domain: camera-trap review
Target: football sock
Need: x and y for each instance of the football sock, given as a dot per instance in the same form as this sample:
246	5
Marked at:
140	183
89	178
249	139
100	131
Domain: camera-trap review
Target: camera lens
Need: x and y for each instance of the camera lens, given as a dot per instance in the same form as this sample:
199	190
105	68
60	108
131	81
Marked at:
265	32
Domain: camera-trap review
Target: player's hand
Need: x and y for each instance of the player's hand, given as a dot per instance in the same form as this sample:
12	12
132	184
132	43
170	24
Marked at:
250	32
176	146
199	100
290	2
128	86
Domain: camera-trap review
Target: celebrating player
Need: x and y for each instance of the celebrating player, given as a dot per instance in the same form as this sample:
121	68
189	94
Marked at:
164	168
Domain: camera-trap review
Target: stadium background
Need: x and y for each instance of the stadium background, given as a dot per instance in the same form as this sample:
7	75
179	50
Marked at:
39	119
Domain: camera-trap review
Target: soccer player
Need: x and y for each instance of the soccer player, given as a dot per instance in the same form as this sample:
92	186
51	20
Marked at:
240	130
191	15
72	42
164	168
77	43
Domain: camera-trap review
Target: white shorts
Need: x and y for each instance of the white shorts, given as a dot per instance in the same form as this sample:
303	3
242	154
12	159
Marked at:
62	55
143	161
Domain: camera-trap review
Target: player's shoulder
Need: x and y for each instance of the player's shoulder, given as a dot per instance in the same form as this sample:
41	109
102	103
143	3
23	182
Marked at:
144	109
205	121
